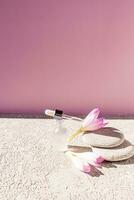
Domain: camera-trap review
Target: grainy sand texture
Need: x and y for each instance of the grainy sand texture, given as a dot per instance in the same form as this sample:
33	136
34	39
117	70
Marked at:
31	168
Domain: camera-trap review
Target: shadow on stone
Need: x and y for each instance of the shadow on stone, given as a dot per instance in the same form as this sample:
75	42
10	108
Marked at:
128	161
107	131
108	164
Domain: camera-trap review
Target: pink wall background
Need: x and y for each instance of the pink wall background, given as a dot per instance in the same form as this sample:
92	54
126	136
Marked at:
72	55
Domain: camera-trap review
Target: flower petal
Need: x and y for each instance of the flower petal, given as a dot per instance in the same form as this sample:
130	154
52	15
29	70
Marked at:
86	168
99	160
91	157
97	124
91	117
79	163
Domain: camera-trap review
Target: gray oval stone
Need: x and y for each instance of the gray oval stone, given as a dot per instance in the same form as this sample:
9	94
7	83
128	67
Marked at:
123	152
106	137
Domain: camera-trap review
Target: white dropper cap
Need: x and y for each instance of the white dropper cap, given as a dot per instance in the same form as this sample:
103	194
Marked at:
50	113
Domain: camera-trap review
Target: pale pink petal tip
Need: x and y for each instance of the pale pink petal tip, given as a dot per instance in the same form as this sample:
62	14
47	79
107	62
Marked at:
95	112
86	168
99	160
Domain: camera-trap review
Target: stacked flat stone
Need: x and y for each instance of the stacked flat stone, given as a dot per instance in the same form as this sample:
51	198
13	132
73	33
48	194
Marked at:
108	142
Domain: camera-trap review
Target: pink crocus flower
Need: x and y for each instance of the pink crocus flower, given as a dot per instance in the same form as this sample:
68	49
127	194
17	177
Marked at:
85	161
79	163
92	122
92	158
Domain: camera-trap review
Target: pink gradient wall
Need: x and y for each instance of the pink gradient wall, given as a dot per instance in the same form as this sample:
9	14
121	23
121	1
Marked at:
72	55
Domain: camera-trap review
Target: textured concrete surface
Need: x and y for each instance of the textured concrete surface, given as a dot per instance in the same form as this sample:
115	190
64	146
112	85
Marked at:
31	168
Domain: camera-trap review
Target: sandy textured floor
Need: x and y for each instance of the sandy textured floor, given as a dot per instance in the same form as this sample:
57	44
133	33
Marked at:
31	169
